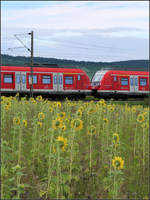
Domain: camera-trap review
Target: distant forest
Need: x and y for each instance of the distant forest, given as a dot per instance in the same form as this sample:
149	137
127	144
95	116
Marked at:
89	67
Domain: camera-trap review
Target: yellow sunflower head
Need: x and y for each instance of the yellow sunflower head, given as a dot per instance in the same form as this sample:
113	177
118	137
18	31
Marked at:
140	118
79	113
77	124
145	125
92	130
39	98
112	108
57	123
16	121
62	115
115	138
24	122
133	109
41	116
8	103
105	120
62	142
40	124
7	107
118	163
63	128
58	104
50	109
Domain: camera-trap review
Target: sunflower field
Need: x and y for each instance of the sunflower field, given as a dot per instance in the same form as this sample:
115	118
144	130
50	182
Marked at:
73	149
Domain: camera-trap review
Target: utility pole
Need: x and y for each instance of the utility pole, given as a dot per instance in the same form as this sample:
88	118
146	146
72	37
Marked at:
31	64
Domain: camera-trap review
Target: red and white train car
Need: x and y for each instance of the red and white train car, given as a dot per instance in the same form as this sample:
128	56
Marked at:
120	83
50	81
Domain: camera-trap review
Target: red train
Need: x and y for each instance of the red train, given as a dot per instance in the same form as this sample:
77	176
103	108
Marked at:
48	81
73	82
117	83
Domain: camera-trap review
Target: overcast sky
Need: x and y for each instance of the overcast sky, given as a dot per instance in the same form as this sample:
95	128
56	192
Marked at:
79	30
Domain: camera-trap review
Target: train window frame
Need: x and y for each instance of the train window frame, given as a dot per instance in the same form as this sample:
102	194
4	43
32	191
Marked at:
10	78
145	79
115	78
23	78
79	77
34	80
55	79
18	78
69	78
44	79
60	80
124	81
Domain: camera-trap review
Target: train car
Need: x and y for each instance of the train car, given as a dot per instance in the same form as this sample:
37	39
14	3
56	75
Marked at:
48	81
115	83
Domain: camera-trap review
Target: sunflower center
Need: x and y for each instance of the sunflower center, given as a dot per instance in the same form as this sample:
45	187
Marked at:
76	123
117	163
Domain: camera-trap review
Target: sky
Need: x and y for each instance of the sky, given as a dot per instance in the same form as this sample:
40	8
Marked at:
100	31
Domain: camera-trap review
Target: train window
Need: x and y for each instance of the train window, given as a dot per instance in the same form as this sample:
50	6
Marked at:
34	79
143	81
8	78
46	79
60	80
124	81
55	79
18	78
79	77
115	78
23	79
68	80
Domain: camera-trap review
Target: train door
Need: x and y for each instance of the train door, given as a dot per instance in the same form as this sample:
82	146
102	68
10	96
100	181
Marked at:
133	83
55	81
20	81
60	81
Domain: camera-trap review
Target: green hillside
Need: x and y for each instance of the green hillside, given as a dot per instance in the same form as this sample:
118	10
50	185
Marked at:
89	67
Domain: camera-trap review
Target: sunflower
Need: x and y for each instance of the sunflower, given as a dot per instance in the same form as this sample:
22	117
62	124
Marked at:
8	103
102	102
7	107
63	127
105	120
16	120
62	142
133	109
24	122
41	116
140	118
40	124
62	115
50	109
145	125
115	138
57	104
77	124
110	108
92	130
57	123
79	113
39	98
81	108
118	163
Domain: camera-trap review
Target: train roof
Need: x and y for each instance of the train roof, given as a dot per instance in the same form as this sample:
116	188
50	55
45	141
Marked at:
42	69
117	72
